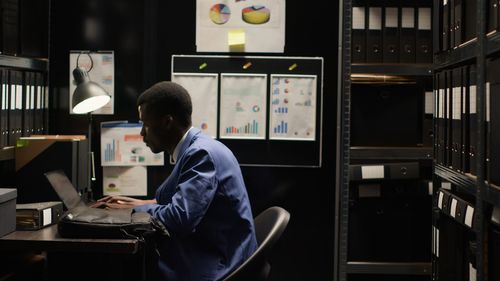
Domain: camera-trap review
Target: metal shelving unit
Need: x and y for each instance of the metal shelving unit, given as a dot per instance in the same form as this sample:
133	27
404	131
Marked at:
345	153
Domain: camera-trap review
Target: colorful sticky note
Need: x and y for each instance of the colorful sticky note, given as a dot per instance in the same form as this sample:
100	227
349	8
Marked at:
236	40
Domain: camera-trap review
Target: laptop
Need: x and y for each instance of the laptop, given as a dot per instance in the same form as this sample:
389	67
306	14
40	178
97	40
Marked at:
65	189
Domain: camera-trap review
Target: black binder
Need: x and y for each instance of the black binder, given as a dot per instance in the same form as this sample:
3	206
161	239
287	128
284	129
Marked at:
448	117
446	25
358	49
424	35
408	35
472	119
457	26
427	129
441	124
10	26
4	113
15	105
492	15
374	35
456	120
391	35
469	21
494	121
465	120
437	24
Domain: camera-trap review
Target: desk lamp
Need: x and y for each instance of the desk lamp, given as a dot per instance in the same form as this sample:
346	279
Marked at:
88	96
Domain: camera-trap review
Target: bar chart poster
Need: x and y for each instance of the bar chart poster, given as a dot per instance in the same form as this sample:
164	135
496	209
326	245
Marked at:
292	107
243	106
203	91
122	145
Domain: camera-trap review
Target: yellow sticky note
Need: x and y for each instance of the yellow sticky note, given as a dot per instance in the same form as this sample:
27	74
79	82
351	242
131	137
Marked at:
236	40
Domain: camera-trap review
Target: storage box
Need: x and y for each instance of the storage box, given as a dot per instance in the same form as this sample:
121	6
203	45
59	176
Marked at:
7	210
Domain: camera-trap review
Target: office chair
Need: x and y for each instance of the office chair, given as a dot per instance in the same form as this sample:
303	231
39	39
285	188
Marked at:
269	225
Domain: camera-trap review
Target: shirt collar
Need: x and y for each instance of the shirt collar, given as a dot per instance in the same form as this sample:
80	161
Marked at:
173	157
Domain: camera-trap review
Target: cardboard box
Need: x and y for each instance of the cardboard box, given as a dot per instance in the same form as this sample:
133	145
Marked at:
7	210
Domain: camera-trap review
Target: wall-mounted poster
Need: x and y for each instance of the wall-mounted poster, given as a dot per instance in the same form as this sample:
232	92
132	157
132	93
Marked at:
292	107
202	88
240	26
243	106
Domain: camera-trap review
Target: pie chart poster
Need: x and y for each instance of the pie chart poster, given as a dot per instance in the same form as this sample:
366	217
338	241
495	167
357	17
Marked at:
257	25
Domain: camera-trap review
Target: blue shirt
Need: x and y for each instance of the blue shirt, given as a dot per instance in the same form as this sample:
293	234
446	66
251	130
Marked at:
205	207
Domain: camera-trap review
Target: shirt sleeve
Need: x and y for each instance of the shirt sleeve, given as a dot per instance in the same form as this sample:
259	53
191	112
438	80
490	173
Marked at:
196	188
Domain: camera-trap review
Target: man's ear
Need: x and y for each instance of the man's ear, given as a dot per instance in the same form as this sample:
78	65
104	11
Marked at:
167	120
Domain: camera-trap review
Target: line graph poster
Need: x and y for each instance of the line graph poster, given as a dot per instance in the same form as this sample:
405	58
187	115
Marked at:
243	106
203	91
292	107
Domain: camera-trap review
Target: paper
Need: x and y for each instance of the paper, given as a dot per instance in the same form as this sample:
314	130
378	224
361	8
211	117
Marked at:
243	106
437	243
453	208
47	216
440	200
372	172
293	107
262	21
469	214
203	90
131	181
122	145
101	69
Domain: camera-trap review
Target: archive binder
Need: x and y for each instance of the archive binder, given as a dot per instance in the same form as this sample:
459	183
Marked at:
465	120
445	32
391	35
457	22
4	116
424	36
374	35
493	116
469	22
408	34
448	118
472	119
358	51
15	105
456	120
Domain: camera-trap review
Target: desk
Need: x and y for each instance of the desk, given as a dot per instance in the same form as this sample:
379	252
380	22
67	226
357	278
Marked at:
79	259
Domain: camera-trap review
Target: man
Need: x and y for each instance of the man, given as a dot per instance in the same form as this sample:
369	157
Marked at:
203	203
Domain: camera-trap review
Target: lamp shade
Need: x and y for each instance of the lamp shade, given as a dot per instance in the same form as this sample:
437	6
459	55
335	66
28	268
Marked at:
88	95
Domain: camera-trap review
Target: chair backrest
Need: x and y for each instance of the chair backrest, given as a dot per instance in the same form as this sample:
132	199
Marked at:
269	225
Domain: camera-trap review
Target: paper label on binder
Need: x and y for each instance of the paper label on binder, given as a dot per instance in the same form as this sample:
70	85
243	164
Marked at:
372	172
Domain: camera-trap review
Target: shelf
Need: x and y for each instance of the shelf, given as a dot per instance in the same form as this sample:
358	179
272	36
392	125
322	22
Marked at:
399	268
389	153
24	63
462	181
464	53
492	195
493	44
392	69
7	153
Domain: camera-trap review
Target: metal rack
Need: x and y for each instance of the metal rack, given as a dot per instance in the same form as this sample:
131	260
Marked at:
345	153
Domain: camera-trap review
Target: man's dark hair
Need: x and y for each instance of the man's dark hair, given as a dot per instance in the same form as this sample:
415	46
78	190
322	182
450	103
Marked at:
168	98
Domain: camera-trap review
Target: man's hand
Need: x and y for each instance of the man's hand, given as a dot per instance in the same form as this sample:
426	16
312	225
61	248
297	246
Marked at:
120	202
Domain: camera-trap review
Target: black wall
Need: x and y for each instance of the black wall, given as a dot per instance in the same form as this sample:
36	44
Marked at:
144	35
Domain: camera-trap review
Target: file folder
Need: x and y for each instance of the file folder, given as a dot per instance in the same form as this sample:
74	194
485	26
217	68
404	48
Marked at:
437	24
424	36
374	35
4	115
15	105
441	121
408	34
391	35
358	51
448	118
427	128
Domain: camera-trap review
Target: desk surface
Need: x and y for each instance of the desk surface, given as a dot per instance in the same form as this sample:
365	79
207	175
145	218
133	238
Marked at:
47	239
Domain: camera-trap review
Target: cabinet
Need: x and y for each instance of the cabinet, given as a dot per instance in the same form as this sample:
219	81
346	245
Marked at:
24	66
385	152
465	166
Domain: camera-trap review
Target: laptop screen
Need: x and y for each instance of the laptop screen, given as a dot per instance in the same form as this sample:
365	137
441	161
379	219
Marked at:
64	188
